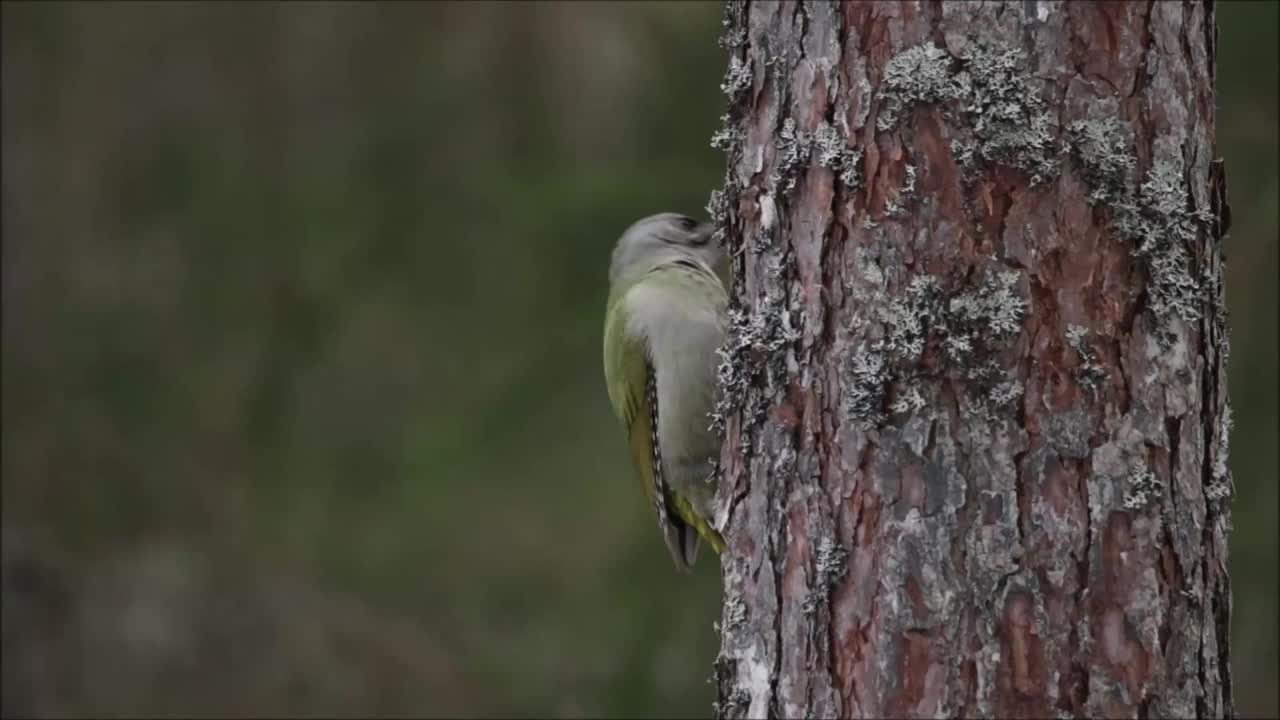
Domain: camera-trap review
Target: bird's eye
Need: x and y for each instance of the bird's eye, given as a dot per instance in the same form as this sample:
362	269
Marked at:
686	223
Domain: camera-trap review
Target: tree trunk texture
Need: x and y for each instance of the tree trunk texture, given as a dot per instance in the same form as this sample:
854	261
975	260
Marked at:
974	393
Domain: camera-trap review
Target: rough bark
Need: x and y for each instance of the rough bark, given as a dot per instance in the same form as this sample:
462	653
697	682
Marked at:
974	396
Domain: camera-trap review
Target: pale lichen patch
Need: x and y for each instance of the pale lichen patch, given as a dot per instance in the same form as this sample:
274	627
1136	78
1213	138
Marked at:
993	308
1144	489
1090	374
732	39
751	351
1102	149
1004	393
969	325
902	340
869	268
1068	432
793	154
830	564
976	323
737	79
835	154
1009	116
995	102
918	75
718	209
867	374
908	401
992	392
735	612
906	318
826	145
1162	228
895	205
1222	487
726	135
753	358
1154	218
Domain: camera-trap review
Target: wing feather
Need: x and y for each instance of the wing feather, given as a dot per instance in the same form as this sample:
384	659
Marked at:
633	394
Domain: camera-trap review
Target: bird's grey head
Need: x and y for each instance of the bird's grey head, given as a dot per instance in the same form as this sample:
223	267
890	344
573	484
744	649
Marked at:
664	238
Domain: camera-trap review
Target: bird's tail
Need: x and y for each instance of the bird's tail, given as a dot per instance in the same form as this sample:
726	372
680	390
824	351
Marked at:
708	533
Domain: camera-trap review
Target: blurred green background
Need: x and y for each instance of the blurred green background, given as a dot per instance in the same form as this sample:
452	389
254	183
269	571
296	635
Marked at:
302	402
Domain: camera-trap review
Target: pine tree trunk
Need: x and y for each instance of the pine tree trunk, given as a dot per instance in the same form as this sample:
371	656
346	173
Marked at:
974	396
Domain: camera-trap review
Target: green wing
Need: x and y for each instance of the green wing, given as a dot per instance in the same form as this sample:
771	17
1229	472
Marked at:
629	374
630	378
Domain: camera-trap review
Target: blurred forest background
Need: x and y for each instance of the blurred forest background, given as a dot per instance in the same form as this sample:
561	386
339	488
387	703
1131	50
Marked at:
302	401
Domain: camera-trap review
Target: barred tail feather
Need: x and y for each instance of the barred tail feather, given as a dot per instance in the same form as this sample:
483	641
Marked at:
682	528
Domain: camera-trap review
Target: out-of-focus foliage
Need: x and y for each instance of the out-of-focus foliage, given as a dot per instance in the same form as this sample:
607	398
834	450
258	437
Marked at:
302	401
1249	138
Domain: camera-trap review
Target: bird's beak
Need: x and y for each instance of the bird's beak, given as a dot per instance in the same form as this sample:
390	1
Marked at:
706	230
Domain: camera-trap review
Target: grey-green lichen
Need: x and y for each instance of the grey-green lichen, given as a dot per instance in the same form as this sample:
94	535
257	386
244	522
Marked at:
793	153
731	39
989	94
834	154
826	145
1068	431
731	385
737	79
753	358
867	373
994	308
726	135
908	401
733	13
992	391
919	75
970	325
1221	487
735	612
904	321
718	208
830	564
778	65
1091	374
831	561
1102	149
1010	118
907	317
895	205
1144	488
1162	228
1155	217
868	268
1003	392
752	340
